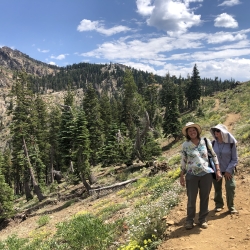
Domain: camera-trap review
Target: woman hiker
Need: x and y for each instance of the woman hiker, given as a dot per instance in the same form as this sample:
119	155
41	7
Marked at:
224	146
198	175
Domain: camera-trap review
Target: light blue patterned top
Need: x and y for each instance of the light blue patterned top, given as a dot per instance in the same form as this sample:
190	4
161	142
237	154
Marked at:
195	158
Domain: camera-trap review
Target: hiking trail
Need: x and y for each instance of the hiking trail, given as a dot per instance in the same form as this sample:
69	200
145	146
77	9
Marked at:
225	231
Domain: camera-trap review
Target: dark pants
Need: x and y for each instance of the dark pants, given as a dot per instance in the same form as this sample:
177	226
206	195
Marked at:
203	185
230	192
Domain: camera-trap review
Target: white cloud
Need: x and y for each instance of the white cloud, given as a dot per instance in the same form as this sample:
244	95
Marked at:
52	63
238	45
139	50
43	51
221	37
173	16
226	21
88	25
237	68
139	66
230	3
113	30
209	55
144	7
60	57
161	49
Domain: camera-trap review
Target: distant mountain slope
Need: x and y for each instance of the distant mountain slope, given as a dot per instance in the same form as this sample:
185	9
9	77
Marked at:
14	60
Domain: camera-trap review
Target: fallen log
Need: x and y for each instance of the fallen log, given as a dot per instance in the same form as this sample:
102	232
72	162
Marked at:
120	184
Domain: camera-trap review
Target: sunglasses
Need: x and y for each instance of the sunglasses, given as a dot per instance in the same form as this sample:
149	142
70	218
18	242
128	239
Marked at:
217	130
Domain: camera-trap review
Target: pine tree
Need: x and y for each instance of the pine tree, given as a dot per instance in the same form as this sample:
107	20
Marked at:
105	111
40	142
152	102
6	199
91	108
151	148
54	140
110	150
6	166
171	123
66	135
181	98
81	148
193	93
131	104
23	128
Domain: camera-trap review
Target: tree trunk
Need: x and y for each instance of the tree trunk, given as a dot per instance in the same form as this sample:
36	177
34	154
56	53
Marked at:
85	183
92	179
51	165
37	189
28	194
140	136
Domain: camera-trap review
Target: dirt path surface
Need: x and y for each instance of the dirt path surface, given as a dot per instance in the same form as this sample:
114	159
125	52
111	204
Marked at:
225	231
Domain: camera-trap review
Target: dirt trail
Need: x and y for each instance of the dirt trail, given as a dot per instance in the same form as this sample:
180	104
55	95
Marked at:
225	231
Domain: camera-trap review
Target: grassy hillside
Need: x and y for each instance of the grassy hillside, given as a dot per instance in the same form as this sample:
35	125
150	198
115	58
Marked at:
127	216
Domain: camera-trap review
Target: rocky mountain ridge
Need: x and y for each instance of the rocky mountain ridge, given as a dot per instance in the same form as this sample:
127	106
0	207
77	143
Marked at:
14	60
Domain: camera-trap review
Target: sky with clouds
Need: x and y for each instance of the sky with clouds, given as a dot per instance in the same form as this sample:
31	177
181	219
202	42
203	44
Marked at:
158	36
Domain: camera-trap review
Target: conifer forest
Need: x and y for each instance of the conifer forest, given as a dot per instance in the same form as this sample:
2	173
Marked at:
118	119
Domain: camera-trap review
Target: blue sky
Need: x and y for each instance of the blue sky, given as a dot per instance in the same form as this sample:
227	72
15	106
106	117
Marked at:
157	36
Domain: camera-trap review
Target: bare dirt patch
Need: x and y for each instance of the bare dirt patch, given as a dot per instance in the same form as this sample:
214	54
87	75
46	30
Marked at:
225	231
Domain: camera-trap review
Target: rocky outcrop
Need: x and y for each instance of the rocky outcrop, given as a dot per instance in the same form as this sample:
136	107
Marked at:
14	60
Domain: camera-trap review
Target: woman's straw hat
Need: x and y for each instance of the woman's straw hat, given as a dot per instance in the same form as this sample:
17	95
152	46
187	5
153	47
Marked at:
191	125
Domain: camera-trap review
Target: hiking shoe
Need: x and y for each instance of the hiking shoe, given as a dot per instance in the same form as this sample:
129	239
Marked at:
234	211
218	209
204	225
189	225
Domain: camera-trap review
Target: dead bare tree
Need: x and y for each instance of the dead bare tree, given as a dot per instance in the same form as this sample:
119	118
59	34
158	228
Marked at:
37	189
141	135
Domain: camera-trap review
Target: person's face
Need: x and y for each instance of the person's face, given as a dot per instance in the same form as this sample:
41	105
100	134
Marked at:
192	133
217	133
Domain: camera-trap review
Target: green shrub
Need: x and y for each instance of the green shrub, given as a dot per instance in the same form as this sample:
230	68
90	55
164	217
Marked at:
108	211
85	232
176	159
13	243
43	220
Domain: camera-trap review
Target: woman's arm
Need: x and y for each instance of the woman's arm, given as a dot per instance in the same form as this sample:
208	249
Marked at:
234	160
183	167
215	159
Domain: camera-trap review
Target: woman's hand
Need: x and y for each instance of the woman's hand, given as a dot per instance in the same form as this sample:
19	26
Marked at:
182	180
218	175
227	176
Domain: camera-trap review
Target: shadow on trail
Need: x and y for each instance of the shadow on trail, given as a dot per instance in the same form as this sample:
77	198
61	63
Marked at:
217	216
181	231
